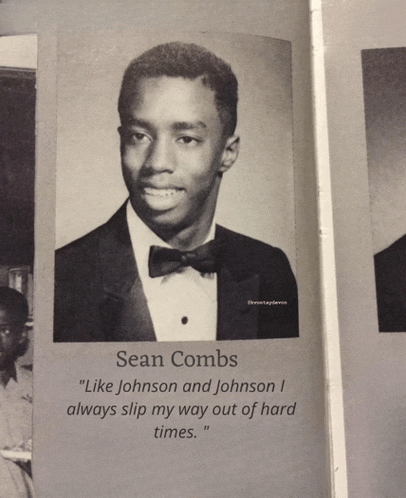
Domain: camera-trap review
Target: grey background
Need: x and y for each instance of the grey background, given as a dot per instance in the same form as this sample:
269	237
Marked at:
256	196
92	458
374	366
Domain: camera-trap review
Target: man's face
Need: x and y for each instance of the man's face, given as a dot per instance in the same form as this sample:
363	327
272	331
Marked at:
12	334
173	153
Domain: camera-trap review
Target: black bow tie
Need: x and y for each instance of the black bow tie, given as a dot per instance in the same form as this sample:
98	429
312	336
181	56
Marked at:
204	259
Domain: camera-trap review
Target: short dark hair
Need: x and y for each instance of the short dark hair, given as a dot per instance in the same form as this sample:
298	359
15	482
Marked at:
189	61
16	305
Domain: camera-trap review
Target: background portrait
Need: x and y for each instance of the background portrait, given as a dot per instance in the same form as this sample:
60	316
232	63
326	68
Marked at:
384	78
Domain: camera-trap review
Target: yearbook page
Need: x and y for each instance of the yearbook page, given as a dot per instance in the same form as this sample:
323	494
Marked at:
366	103
177	331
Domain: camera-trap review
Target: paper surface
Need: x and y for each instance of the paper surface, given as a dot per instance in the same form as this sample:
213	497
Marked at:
245	444
373	363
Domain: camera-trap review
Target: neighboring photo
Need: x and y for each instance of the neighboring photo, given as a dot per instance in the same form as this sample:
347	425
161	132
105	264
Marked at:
175	188
384	78
17	174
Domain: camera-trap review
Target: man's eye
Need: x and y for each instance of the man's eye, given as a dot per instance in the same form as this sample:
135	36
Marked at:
139	137
188	140
135	137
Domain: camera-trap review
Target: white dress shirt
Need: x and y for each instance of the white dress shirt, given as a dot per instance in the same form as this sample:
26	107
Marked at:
183	305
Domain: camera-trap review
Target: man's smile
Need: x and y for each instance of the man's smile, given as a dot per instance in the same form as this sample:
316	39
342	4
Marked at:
162	198
161	191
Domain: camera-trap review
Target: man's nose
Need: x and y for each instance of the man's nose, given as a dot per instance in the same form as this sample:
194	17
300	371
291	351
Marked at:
161	156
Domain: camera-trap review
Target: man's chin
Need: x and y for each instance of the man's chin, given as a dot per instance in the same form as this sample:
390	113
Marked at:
157	212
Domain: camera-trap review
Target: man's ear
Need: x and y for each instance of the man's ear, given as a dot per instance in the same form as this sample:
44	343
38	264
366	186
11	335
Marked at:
230	153
121	133
24	335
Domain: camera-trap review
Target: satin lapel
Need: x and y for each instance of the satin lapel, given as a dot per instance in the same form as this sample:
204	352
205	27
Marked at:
124	310
236	318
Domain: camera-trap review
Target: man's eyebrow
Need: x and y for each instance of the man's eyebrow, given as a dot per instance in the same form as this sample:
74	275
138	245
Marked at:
186	125
137	122
177	126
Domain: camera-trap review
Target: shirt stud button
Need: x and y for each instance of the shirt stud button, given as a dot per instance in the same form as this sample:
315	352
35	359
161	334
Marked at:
184	320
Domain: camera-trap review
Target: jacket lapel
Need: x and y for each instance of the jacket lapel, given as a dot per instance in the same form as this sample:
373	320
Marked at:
236	318
124	310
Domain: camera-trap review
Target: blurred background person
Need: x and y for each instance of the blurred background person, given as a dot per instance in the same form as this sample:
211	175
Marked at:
15	398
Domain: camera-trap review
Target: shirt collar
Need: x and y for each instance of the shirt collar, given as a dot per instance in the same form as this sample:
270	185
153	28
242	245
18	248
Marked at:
142	238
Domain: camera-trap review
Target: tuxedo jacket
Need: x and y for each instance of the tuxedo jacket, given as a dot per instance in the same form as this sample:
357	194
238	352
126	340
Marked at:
99	295
390	273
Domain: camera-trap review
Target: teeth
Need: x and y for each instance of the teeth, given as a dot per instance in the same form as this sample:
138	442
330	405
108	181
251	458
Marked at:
160	192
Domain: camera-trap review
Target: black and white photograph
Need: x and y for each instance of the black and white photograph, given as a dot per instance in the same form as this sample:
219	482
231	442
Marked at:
17	175
384	80
175	188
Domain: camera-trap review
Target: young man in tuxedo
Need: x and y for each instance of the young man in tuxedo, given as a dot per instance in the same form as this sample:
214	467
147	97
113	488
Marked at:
160	269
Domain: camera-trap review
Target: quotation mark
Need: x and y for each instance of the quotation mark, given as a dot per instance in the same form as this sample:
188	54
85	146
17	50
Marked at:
81	382
206	428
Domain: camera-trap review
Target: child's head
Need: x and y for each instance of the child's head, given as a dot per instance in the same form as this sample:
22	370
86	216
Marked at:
13	333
